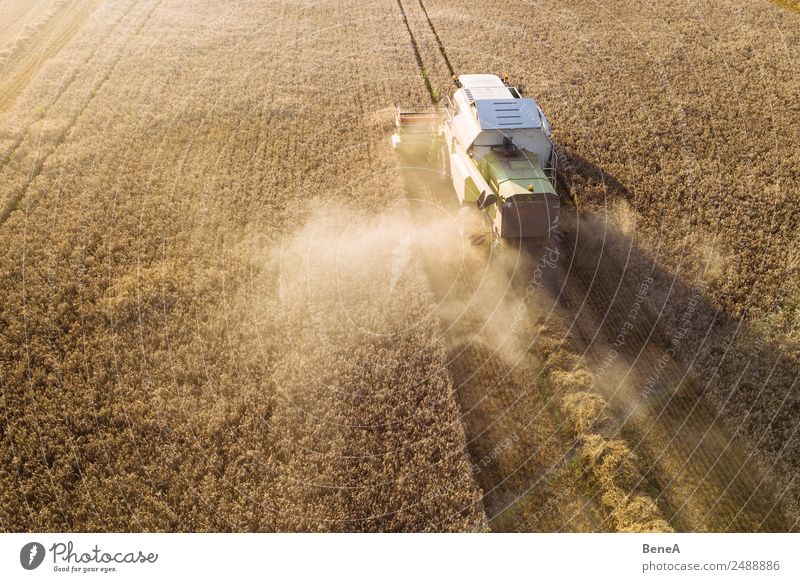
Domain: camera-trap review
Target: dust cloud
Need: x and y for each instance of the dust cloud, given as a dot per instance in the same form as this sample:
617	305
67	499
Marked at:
358	269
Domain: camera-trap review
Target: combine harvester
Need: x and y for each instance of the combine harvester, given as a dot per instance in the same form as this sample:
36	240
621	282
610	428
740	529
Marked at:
495	146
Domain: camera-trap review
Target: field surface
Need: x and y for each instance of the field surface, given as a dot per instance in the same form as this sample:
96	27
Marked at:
227	305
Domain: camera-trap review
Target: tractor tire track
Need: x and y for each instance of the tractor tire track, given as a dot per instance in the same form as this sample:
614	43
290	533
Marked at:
50	39
65	85
417	54
18	197
438	40
26	10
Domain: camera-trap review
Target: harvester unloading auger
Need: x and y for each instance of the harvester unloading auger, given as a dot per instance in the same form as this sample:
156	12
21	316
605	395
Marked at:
496	147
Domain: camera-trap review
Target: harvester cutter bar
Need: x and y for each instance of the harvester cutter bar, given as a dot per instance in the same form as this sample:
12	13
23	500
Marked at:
417	125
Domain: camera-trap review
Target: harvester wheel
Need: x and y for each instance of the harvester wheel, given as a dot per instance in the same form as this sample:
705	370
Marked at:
477	239
472	226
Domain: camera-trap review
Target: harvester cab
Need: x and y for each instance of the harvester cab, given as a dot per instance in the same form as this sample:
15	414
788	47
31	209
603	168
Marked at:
496	147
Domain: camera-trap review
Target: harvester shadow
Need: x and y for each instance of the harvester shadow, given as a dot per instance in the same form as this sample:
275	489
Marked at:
582	180
669	376
669	359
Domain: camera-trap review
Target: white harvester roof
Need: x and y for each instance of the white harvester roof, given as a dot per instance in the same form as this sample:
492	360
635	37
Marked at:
487	104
